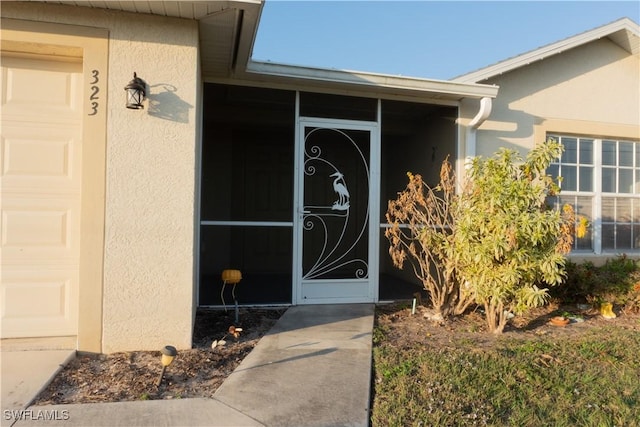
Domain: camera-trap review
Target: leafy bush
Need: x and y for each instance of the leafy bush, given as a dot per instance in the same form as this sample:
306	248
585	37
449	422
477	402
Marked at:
508	242
496	243
617	281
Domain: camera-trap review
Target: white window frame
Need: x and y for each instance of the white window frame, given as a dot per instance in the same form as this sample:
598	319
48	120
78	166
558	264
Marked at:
597	194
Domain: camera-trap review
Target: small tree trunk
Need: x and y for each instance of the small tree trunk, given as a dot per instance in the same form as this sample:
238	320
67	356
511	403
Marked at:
495	315
463	302
502	321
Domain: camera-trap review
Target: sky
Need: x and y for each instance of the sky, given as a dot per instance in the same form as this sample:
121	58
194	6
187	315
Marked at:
425	39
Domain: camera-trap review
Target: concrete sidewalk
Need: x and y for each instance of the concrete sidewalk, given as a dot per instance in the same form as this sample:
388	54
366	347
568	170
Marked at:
25	373
312	369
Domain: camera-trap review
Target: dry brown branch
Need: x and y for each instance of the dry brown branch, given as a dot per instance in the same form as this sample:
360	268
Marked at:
421	228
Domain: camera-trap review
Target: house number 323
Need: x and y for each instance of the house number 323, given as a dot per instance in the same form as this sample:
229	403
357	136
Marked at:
95	89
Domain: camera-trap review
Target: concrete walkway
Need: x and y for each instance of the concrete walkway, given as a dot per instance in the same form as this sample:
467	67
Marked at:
25	373
312	369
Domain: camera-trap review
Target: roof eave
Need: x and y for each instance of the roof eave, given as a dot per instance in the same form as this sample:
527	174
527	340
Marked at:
228	30
363	82
626	25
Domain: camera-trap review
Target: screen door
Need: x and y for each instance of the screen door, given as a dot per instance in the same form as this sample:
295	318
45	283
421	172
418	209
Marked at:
334	212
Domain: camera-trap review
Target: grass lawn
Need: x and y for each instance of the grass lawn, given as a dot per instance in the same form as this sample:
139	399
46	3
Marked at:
457	374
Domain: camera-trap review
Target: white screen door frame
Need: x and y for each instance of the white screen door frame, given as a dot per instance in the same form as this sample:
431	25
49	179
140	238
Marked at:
320	264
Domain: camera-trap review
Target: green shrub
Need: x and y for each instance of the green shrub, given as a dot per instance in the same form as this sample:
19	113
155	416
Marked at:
495	243
617	281
508	244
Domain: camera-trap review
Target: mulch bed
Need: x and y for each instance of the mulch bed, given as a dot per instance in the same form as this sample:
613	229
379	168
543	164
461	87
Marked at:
196	372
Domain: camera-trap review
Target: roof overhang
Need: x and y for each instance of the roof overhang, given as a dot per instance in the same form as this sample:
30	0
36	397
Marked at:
185	9
227	31
227	38
362	83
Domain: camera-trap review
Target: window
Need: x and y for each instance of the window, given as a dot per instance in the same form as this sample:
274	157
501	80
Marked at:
600	178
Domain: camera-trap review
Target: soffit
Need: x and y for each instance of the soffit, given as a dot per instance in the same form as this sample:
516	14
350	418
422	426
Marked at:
178	9
226	28
361	83
227	32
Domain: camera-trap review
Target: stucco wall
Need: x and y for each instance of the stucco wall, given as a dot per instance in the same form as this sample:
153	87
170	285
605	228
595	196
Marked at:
151	175
597	85
591	90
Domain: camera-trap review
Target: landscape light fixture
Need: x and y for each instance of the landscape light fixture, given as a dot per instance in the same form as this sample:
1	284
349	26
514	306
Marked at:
136	92
169	352
232	277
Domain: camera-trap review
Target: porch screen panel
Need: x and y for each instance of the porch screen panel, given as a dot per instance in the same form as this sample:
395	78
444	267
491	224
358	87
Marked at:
263	254
415	138
248	176
247	193
338	106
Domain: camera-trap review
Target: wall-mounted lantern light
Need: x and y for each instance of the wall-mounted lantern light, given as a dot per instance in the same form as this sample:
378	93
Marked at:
169	352
136	91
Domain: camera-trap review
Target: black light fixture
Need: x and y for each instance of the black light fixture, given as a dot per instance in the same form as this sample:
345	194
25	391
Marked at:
136	91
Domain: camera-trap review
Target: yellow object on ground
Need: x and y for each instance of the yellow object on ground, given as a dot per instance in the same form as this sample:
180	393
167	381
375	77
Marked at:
606	309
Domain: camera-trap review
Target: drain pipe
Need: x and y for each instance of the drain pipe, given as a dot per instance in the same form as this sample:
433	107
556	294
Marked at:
472	128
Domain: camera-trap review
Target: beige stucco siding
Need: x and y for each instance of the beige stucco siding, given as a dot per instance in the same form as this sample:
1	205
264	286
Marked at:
150	187
597	85
150	174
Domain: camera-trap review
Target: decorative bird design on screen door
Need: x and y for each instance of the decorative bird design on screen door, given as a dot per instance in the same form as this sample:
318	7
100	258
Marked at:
332	222
340	187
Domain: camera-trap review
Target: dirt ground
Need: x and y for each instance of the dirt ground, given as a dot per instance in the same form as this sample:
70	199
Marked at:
407	329
198	372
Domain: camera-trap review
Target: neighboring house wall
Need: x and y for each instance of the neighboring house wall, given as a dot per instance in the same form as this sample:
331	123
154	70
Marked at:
595	87
591	91
151	156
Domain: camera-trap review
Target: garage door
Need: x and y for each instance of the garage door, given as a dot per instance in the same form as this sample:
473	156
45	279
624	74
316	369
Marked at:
41	161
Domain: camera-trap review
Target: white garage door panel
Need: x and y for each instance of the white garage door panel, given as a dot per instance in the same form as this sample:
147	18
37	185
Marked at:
32	229
41	179
39	300
43	155
19	157
45	229
36	86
